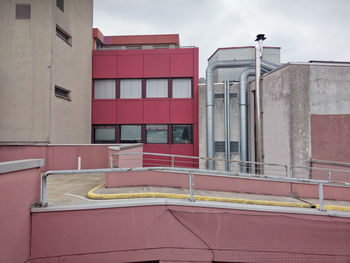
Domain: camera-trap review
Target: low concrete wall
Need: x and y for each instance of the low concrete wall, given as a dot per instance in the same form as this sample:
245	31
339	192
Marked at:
19	189
65	156
226	184
126	161
186	234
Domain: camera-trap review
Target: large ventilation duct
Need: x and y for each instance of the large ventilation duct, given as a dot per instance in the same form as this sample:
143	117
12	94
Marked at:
243	118
265	66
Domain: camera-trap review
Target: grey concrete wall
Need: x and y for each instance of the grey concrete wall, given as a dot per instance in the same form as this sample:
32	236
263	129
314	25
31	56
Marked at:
25	53
286	116
329	89
33	60
71	120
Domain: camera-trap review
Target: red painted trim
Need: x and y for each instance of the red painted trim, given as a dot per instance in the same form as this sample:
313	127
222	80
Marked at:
223	48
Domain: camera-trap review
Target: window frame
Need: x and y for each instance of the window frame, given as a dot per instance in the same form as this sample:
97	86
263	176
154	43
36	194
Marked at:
59	6
62	34
131	141
181	142
119	89
166	89
19	11
165	130
115	90
104	141
172	88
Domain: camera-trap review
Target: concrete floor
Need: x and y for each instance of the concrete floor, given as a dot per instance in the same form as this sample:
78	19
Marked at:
73	189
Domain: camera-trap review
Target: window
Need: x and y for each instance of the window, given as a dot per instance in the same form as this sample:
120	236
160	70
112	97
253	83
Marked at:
60	4
157	133
104	134
22	11
134	47
182	88
130	88
182	133
157	88
62	93
130	133
63	35
104	89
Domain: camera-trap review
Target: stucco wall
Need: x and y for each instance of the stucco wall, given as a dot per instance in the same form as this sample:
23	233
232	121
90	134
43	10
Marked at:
33	60
25	66
19	189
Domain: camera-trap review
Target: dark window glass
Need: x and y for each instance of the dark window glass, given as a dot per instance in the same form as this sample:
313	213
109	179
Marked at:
63	35
157	133
22	11
130	133
104	134
182	133
62	93
60	4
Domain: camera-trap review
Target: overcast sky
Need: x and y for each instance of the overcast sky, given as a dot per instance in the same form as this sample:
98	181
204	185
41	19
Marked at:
304	29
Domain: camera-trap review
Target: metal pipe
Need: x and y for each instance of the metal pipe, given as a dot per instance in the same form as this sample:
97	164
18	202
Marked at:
227	124
265	66
320	196
258	55
243	113
79	162
191	186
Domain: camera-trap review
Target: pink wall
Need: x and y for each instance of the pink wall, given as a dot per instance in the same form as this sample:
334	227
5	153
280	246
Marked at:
18	191
60	157
226	184
174	233
126	161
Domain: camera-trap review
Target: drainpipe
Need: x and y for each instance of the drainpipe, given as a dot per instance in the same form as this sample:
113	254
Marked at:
258	55
243	119
227	124
210	100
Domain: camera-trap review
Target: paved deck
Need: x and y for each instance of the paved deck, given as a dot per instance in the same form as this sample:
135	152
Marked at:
87	188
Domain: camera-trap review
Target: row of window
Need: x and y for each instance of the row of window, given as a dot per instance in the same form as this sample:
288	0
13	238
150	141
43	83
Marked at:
149	133
139	88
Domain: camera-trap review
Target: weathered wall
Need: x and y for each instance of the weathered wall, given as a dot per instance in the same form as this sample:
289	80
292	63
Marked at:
19	189
285	106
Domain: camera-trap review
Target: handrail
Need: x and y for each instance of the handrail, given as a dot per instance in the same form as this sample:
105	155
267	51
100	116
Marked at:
325	162
190	171
319	169
246	163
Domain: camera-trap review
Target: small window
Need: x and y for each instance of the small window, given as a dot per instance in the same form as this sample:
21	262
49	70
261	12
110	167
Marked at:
104	89
157	133
182	133
130	88
60	4
130	133
134	47
63	35
22	11
157	88
62	93
104	134
182	88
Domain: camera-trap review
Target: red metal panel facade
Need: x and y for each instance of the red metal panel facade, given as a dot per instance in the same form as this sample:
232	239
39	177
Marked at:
145	64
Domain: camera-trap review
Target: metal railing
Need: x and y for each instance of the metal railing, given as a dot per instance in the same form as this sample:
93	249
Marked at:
191	172
317	172
185	161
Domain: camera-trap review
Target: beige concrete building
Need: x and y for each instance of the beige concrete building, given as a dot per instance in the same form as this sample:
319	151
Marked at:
45	71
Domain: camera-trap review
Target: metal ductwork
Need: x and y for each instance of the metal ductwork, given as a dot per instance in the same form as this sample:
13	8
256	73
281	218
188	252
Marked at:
227	125
243	112
249	63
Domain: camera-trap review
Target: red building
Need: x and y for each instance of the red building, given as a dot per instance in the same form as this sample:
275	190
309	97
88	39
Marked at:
145	90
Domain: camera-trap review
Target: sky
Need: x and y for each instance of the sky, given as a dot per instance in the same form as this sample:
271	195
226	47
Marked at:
304	29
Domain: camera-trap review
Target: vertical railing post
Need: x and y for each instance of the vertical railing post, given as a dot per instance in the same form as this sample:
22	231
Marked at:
172	161
329	176
79	162
320	196
111	161
191	186
291	171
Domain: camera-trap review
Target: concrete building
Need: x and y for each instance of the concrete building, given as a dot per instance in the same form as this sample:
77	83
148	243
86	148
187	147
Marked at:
45	71
306	114
145	90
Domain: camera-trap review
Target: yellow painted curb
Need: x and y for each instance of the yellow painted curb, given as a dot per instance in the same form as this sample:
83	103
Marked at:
335	207
92	195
